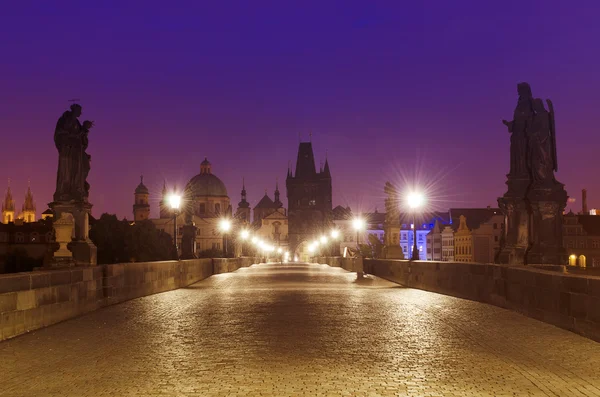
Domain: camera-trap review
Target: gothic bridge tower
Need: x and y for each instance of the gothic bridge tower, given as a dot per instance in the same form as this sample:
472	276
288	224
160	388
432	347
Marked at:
309	198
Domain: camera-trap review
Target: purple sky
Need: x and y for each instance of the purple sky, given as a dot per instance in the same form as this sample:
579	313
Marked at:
388	88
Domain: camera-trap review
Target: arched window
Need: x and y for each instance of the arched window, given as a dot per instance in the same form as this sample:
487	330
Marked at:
19	237
35	237
581	261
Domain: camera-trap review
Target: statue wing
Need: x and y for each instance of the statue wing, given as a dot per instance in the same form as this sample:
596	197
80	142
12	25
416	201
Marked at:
552	133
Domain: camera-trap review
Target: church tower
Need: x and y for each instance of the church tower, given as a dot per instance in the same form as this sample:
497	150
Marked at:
8	206
243	209
277	201
141	207
309	196
28	209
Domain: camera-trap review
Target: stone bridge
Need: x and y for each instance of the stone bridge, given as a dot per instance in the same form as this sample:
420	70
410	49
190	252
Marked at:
228	328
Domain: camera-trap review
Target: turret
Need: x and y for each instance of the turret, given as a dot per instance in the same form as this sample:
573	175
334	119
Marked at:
243	210
277	202
141	206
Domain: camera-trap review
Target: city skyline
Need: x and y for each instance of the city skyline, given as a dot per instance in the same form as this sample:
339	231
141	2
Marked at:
384	92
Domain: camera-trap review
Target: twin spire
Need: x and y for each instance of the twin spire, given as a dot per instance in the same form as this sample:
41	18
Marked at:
244	202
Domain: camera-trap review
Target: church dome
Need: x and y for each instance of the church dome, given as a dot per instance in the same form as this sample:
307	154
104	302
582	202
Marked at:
205	183
141	188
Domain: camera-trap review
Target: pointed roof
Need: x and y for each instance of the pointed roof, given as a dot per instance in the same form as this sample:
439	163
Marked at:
265	202
326	171
305	163
8	204
243	203
29	204
277	203
141	188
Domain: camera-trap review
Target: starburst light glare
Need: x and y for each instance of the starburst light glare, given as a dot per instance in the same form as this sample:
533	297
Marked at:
175	201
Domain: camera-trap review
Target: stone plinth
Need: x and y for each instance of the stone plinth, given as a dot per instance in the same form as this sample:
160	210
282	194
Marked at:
81	247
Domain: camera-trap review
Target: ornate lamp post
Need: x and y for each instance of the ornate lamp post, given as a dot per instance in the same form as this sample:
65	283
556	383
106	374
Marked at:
225	226
335	234
244	235
175	202
415	201
358	224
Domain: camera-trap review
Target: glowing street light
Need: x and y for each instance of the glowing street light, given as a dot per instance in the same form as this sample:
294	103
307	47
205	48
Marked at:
225	226
323	240
175	203
358	224
335	233
415	200
244	235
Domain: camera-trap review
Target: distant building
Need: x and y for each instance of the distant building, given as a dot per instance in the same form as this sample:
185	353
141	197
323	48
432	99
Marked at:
477	233
31	239
204	203
375	221
309	196
270	221
407	239
581	239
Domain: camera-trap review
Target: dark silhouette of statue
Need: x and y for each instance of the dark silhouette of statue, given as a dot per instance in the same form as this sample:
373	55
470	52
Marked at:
518	128
541	156
71	140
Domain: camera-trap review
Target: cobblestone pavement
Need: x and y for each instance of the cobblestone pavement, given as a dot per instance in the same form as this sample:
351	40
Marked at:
299	330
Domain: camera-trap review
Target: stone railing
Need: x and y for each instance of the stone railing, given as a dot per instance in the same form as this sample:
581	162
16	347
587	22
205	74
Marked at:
565	300
33	300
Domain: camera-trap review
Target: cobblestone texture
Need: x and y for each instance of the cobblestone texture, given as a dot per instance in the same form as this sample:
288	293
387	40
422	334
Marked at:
301	330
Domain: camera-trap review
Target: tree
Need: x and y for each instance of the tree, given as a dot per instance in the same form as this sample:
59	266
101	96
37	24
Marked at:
118	241
144	243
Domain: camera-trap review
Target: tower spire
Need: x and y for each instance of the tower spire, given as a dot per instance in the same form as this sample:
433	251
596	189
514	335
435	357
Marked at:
277	202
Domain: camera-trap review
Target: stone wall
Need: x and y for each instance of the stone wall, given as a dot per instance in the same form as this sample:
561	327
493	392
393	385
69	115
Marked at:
565	300
33	300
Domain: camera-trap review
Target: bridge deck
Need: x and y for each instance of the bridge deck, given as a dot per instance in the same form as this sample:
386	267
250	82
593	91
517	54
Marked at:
301	330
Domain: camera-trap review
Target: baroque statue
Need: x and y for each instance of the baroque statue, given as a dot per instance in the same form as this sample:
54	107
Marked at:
533	139
535	200
71	140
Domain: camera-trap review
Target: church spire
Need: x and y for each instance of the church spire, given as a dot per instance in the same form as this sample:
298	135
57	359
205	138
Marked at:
277	202
29	204
8	206
244	202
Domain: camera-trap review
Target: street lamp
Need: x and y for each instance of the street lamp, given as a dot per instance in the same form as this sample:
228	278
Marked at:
358	224
225	226
415	200
244	235
175	202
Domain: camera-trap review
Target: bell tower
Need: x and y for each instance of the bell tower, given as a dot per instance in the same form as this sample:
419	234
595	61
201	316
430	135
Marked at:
141	207
243	210
8	206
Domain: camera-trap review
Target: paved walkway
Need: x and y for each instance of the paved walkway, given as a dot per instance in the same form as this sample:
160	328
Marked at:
302	330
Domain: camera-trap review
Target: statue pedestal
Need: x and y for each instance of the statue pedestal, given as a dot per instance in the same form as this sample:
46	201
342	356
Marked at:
533	224
516	234
547	205
393	252
83	251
